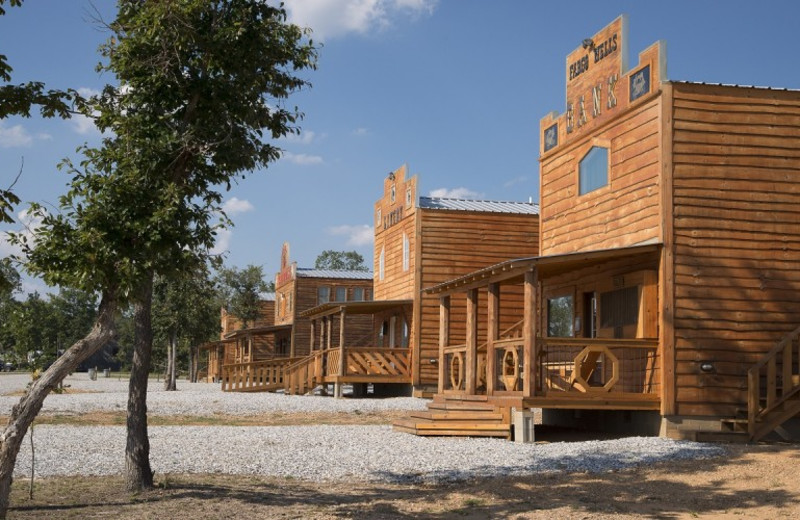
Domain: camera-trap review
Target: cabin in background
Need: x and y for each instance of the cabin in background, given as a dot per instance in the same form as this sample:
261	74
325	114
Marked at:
421	241
666	297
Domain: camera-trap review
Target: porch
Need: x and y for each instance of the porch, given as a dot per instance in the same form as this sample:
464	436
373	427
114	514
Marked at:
546	359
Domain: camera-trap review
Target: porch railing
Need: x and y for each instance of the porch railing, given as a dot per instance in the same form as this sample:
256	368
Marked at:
597	366
454	368
508	365
377	362
305	373
256	376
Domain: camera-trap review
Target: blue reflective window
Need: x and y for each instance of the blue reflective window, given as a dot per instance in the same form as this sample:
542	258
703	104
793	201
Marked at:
593	170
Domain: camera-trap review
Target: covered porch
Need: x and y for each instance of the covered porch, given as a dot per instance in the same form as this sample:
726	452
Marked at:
359	343
587	334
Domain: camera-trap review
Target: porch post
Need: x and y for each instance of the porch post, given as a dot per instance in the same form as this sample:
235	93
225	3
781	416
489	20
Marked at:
444	336
313	333
492	335
472	341
337	386
330	332
529	325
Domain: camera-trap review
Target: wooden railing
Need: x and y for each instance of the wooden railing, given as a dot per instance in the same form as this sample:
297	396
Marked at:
778	398
380	362
593	366
303	375
257	376
454	368
508	363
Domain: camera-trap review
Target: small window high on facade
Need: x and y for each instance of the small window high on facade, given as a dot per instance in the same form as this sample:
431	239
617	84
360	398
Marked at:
323	295
406	252
560	317
593	170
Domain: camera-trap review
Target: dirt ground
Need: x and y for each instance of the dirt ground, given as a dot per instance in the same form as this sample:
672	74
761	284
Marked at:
750	482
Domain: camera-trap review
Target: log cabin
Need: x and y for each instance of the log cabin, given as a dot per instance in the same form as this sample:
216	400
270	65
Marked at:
287	340
419	241
665	299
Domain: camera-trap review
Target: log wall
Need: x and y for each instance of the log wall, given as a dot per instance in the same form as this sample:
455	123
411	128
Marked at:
736	154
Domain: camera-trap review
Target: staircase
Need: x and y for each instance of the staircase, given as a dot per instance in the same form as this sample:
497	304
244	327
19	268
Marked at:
773	388
303	376
458	415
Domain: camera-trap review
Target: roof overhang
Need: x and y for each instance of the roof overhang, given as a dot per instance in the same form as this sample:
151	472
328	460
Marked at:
360	307
547	265
215	344
257	331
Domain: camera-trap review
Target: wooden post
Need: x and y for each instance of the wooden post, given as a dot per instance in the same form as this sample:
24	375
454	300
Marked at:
337	386
492	335
530	351
472	341
444	336
311	346
329	332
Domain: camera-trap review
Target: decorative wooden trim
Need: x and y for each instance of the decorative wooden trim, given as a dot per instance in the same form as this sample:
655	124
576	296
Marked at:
667	270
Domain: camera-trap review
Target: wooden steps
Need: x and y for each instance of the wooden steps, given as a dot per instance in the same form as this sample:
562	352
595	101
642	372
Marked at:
458	416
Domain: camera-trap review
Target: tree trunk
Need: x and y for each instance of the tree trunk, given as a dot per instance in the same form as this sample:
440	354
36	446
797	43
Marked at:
193	363
172	350
24	412
138	475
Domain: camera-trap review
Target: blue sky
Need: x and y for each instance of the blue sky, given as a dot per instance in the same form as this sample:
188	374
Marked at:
453	88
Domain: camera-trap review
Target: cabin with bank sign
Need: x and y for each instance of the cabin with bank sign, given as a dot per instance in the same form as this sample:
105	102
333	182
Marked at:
665	296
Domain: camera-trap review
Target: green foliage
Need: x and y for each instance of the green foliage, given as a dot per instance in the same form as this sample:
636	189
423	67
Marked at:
199	84
240	291
340	260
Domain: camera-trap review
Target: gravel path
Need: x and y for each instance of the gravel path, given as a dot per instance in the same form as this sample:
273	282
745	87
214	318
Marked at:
319	452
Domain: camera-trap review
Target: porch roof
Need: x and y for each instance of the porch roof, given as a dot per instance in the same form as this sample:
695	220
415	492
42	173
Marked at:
271	329
548	265
359	307
214	344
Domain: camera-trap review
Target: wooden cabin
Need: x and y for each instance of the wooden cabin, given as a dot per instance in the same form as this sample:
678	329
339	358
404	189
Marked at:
297	290
422	241
666	295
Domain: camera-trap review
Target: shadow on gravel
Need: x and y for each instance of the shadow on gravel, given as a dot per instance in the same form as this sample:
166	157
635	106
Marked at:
665	490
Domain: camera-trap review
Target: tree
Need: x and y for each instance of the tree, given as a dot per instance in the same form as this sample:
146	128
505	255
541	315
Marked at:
240	291
340	261
187	119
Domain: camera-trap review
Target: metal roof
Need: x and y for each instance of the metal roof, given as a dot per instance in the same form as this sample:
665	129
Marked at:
331	273
489	206
756	87
354	307
269	329
267	296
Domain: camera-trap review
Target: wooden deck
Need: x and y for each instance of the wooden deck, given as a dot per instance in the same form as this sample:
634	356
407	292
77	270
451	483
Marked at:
258	376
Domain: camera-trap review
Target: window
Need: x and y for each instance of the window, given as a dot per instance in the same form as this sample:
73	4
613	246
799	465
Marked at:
593	170
560	317
380	264
323	295
341	294
378	217
618	309
405	252
358	294
408	197
392	194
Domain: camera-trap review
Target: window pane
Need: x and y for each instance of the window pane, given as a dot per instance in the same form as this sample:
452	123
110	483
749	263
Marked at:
323	295
358	294
619	308
594	170
341	294
560	317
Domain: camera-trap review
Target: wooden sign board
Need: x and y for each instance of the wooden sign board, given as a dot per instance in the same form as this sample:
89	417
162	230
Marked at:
600	85
286	273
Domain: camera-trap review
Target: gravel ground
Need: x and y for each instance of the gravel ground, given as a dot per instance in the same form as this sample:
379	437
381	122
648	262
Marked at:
111	394
319	452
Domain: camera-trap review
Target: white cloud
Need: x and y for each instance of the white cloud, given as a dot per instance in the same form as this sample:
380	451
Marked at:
223	241
305	137
356	235
29	226
14	137
234	206
361	132
331	18
302	158
455	193
82	124
516	180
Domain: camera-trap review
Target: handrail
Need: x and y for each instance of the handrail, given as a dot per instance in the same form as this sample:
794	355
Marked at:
765	406
609	342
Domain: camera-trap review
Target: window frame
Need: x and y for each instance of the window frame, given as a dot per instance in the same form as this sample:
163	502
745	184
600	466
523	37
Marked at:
582	152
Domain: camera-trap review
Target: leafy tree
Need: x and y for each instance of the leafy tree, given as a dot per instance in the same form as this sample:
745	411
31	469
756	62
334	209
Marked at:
340	261
240	290
188	118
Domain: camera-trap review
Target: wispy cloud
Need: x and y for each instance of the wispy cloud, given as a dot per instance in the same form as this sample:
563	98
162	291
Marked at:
29	225
223	241
14	136
305	137
302	158
455	193
332	18
235	206
516	180
361	235
360	132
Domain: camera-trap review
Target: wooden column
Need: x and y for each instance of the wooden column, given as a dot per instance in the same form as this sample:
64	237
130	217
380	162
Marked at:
472	341
313	327
444	336
328	339
529	325
492	335
342	353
